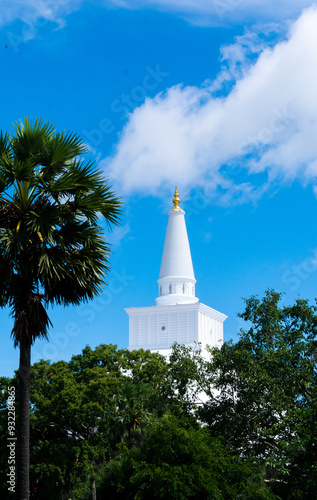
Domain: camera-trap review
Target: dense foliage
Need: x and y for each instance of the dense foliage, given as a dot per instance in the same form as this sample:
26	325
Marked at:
179	460
131	425
264	397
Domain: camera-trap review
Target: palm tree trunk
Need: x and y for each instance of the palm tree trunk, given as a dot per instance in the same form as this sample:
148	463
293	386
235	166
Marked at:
23	451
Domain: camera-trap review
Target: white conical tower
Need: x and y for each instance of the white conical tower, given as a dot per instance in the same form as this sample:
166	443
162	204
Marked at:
178	315
176	279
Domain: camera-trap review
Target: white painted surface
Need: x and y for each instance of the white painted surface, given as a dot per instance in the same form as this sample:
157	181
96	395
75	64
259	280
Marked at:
176	279
176	260
158	327
178	315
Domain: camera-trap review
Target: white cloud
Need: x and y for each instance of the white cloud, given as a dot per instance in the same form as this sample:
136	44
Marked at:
203	12
215	12
267	122
117	234
30	11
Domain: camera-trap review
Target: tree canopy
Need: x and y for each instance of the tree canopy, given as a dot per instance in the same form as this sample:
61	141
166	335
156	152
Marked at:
262	392
179	460
132	423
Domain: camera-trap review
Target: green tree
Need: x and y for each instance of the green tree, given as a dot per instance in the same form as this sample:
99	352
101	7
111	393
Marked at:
178	460
52	249
126	417
262	393
82	409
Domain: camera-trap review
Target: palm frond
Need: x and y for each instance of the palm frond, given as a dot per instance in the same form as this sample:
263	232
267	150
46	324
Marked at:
75	145
5	149
4	142
52	249
83	276
59	152
42	219
30	139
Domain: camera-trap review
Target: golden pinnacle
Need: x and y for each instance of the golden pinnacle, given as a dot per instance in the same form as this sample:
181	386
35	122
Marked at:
176	200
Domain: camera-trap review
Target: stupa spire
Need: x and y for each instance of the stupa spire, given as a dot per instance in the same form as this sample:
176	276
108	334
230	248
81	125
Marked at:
178	315
176	280
176	200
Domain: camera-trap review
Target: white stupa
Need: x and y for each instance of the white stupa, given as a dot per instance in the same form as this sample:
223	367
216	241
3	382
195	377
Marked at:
178	315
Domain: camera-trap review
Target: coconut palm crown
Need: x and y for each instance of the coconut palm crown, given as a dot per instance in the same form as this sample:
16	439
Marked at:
52	249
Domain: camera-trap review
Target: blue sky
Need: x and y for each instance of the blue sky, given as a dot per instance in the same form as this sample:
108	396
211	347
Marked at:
216	96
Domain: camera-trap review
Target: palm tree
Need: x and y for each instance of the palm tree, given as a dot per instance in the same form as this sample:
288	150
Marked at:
52	249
